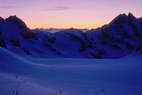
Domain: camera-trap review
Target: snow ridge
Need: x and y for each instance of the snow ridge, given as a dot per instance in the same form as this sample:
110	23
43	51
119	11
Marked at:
121	37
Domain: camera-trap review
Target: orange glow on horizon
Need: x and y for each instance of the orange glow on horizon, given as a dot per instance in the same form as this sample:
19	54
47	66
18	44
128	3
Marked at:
90	25
33	26
68	13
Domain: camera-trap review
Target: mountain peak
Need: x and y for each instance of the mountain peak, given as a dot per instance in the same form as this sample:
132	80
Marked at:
130	15
17	21
123	18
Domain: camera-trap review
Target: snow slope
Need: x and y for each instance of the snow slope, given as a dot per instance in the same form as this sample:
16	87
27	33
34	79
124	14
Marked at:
32	76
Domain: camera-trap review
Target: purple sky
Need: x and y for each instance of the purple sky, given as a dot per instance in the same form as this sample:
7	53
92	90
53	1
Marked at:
68	13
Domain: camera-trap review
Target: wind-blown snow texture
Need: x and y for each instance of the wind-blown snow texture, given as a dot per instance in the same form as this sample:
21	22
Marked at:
121	37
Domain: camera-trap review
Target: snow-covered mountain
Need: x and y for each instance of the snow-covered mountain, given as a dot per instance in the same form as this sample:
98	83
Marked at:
43	75
121	37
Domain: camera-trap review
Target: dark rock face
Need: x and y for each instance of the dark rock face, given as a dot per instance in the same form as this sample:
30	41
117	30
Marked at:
16	43
2	43
29	35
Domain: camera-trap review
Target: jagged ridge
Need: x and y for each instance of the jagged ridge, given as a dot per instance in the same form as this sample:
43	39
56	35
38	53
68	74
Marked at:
121	37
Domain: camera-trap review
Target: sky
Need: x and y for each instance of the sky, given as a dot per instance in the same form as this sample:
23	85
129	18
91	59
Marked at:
68	13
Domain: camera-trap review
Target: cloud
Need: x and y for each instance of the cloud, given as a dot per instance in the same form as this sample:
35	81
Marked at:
9	7
59	8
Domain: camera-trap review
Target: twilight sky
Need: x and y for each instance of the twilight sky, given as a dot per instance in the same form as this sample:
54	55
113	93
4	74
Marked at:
68	13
